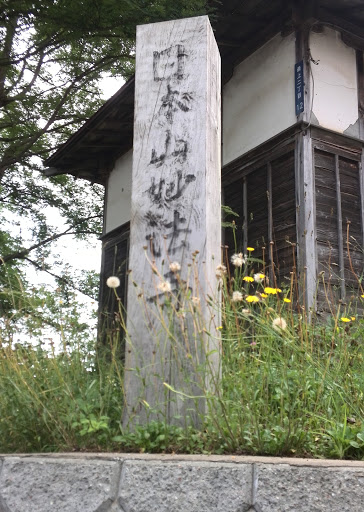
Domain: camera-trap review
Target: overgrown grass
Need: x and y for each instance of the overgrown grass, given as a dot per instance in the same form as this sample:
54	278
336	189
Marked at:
291	385
71	400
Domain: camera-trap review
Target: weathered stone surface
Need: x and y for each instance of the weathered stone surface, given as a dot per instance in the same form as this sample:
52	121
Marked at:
178	483
187	487
44	485
285	488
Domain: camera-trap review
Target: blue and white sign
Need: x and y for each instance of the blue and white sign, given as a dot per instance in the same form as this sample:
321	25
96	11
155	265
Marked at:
299	88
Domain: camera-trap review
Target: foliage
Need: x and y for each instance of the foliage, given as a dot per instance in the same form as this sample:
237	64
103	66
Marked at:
33	315
53	400
53	53
52	57
293	387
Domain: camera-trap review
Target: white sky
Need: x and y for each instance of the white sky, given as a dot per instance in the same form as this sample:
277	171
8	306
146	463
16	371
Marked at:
110	85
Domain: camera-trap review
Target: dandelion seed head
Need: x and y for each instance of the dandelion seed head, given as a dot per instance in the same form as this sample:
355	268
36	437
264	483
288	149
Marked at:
237	296
164	287
237	260
279	324
175	267
195	301
220	271
113	282
258	278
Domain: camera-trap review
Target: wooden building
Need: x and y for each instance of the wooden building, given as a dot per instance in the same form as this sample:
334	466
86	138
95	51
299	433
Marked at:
292	143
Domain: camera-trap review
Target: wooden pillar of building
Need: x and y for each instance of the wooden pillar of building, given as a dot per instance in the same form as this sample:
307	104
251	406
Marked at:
305	182
175	222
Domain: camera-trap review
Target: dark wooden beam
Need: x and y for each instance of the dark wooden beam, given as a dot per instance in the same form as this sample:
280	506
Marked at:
89	145
353	41
249	46
110	129
339	23
225	42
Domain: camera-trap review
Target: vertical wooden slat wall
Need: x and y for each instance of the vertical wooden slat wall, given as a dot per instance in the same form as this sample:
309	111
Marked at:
258	211
284	216
351	216
271	214
339	226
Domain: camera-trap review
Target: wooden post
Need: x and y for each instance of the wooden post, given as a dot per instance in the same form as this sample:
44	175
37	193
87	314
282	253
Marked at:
304	166
306	215
175	217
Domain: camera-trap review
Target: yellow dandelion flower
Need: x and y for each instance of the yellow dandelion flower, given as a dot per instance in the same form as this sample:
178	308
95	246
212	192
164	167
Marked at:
352	318
271	291
250	249
264	295
248	279
252	298
345	319
286	300
362	296
219	328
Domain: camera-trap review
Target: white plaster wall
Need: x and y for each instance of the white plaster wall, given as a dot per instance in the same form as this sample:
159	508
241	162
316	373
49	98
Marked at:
335	103
118	202
258	101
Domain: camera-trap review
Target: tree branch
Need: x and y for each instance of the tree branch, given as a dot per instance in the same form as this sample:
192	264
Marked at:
59	278
23	253
9	157
8	43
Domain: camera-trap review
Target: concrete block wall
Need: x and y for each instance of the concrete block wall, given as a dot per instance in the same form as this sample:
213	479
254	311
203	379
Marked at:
165	483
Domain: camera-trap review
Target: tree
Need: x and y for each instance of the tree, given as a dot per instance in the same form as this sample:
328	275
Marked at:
52	56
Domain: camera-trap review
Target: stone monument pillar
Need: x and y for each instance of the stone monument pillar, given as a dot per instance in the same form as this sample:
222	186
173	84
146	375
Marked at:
175	232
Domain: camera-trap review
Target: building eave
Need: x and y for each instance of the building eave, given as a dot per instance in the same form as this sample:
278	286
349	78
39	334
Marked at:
240	29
